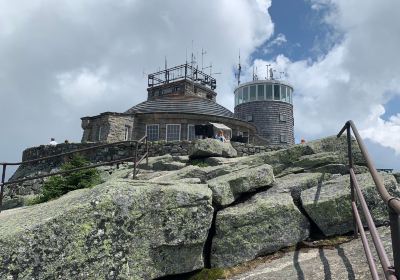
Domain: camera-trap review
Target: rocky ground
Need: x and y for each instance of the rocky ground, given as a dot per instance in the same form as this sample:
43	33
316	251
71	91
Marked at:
344	261
211	209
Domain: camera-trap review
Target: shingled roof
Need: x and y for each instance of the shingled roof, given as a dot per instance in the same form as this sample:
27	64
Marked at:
181	104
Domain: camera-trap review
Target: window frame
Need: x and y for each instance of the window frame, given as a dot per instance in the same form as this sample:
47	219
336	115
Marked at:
158	131
126	132
99	131
195	136
166	131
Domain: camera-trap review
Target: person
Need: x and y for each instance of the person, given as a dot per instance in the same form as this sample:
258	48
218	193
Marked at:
52	142
220	136
66	141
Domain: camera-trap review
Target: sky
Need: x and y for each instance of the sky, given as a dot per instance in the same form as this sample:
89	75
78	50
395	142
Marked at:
62	60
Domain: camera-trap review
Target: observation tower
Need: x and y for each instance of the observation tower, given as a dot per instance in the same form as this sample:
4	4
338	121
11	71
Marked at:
268	104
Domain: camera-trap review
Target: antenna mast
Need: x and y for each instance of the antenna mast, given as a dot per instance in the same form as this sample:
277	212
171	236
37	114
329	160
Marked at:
203	52
239	70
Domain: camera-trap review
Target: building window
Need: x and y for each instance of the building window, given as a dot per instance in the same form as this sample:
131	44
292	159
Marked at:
260	92
126	132
245	94
269	92
252	93
191	135
152	132
282	117
173	132
276	92
249	118
284	138
283	93
240	96
99	133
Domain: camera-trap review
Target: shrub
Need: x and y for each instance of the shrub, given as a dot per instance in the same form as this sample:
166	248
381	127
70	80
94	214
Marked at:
198	162
59	185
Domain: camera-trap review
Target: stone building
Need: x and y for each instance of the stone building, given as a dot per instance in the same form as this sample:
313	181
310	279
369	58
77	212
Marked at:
178	99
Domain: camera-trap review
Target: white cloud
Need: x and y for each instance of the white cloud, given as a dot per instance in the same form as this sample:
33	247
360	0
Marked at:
279	40
61	60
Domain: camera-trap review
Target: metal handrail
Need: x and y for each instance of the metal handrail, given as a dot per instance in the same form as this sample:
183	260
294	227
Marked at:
111	162
391	272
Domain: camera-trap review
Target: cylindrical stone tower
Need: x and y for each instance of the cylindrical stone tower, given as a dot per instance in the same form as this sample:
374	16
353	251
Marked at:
268	104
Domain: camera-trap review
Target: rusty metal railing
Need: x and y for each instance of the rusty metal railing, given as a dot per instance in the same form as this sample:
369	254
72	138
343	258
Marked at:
133	158
393	203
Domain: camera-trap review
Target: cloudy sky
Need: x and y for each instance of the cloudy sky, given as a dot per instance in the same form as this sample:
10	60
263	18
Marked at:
65	59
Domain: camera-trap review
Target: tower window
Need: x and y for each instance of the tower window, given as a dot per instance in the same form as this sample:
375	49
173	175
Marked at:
252	93
260	92
245	94
283	93
249	118
283	138
277	92
268	89
282	117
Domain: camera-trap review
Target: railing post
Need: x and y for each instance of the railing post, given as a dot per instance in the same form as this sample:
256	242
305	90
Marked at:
395	232
3	179
134	161
351	166
147	152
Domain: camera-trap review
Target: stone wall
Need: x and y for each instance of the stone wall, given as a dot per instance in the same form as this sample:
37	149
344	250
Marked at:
273	119
158	148
108	127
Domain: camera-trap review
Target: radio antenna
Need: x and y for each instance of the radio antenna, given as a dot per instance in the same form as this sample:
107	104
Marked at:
239	70
203	52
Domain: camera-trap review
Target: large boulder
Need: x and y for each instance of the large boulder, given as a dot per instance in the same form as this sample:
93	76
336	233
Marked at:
329	203
121	229
259	226
228	188
209	147
165	163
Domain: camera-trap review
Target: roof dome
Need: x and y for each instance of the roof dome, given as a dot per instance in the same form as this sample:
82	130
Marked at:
181	104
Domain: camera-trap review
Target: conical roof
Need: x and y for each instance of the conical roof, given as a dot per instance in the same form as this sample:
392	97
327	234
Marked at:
181	104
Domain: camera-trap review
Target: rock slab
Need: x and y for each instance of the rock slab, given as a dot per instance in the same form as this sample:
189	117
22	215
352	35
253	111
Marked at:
228	188
118	230
261	225
329	204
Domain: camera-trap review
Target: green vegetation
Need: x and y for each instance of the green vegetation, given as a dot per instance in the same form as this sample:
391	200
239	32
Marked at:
198	162
59	185
209	274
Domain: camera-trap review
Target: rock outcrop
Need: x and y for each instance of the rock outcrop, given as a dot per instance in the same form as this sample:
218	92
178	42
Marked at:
210	148
329	204
119	230
184	214
228	188
263	224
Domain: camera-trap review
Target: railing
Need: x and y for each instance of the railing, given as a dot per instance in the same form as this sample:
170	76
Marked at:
133	158
393	203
